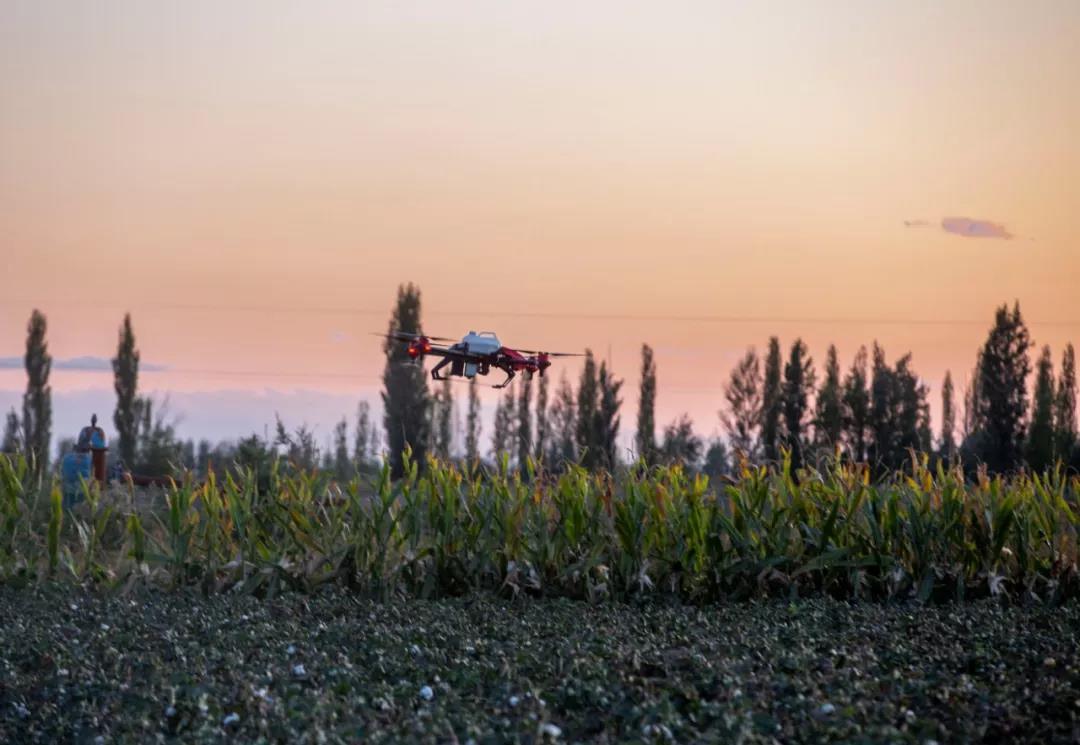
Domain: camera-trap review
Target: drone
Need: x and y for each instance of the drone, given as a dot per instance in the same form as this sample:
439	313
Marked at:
476	354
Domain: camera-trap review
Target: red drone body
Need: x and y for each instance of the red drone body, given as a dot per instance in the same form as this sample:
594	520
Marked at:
476	354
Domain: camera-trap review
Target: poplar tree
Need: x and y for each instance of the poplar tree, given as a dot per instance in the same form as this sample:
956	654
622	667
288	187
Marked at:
543	436
798	385
588	440
563	424
472	427
502	433
829	407
524	423
681	446
856	403
405	397
645	439
37	402
608	419
342	466
1040	441
742	418
125	367
772	403
443	410
948	419
1002	398
1065	408
363	433
12	442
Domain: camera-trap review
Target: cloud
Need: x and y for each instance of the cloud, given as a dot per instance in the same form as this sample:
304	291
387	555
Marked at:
968	228
81	364
965	227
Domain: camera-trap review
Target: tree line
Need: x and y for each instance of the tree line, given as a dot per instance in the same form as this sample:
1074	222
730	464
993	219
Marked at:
874	411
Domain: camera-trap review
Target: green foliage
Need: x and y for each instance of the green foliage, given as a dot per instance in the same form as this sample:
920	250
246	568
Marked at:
659	531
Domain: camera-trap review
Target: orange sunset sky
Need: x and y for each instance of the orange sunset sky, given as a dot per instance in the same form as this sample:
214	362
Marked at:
253	180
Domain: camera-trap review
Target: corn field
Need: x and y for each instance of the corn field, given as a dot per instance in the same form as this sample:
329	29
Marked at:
927	534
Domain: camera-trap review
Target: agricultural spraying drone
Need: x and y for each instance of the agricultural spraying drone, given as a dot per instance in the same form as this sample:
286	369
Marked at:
476	354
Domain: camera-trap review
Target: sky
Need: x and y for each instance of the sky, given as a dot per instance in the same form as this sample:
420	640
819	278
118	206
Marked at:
253	180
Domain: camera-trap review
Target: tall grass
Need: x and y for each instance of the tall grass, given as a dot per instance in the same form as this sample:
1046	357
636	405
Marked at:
925	533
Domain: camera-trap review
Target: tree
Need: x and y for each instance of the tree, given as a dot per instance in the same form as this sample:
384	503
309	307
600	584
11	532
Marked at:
563	425
202	457
716	460
1002	398
543	436
645	440
1065	408
1040	440
363	434
12	442
125	366
443	420
772	403
343	467
681	446
856	407
742	419
607	417
899	413
37	402
502	434
472	429
948	419
157	449
301	451
405	394
588	440
829	408
524	424
971	395
797	388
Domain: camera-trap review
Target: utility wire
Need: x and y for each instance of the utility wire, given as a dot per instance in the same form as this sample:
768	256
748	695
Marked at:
553	315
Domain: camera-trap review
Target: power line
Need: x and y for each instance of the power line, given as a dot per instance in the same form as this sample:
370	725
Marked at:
553	315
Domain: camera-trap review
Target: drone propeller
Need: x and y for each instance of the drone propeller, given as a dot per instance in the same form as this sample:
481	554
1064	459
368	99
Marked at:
406	336
551	354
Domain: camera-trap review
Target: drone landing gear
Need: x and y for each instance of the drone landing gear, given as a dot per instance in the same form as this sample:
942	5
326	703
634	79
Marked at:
509	377
435	370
